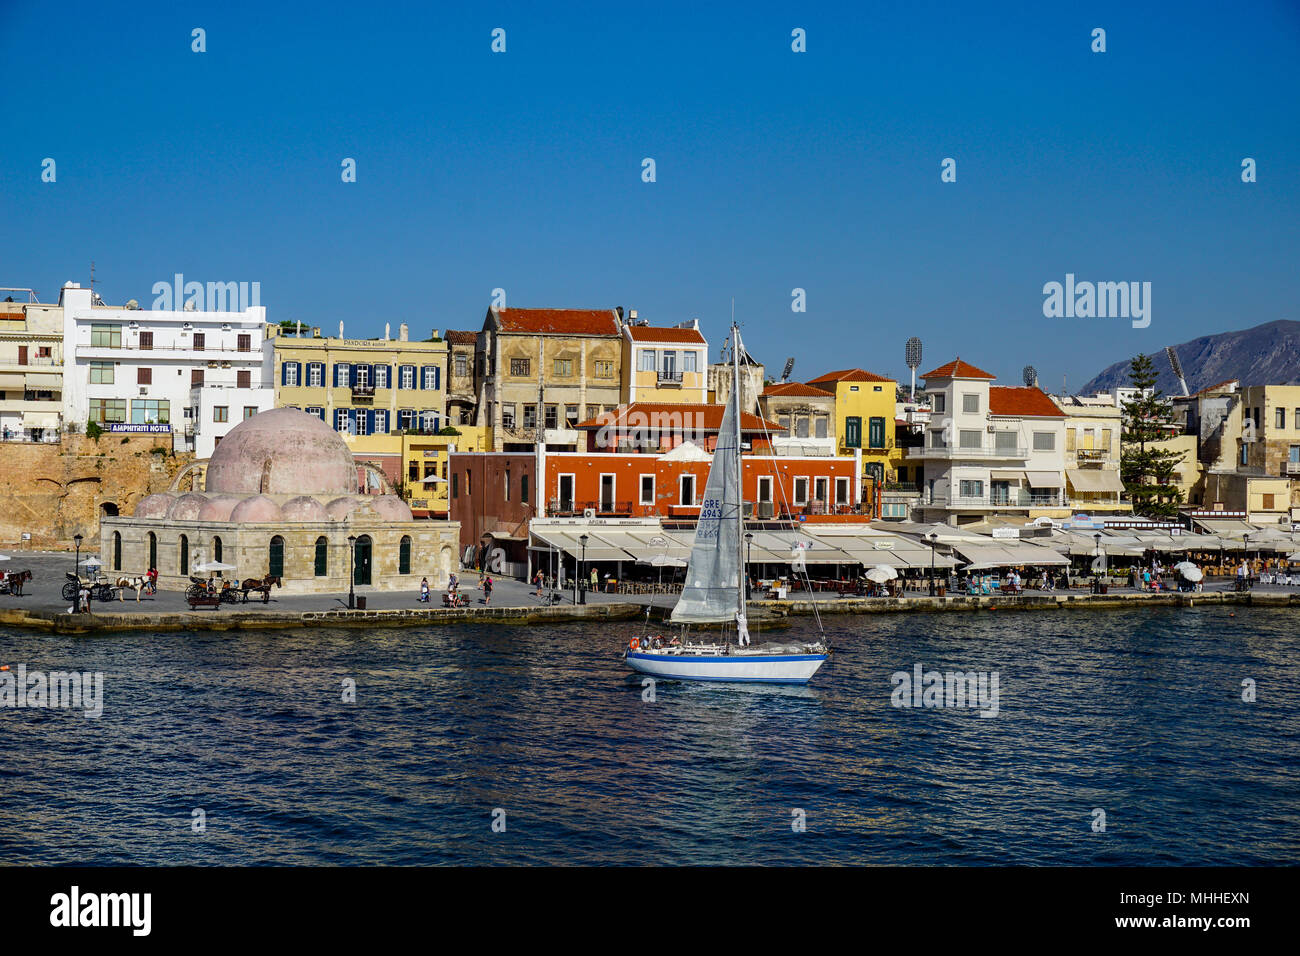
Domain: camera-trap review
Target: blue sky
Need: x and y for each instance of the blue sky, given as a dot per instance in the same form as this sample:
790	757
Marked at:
775	170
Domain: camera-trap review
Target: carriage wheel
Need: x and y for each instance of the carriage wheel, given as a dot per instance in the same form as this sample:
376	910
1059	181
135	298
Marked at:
69	592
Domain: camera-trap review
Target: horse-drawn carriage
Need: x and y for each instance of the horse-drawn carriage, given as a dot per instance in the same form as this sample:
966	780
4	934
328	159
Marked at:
11	582
99	587
205	593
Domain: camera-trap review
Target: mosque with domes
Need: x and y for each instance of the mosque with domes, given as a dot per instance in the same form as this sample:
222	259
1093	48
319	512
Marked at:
281	496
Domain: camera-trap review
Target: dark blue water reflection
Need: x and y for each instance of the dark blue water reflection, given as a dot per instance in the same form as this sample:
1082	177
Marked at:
1139	714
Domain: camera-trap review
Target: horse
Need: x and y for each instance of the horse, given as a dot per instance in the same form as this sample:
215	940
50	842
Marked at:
15	581
261	584
138	584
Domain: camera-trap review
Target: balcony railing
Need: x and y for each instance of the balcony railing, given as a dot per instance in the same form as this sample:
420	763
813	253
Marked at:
1092	456
567	508
1014	499
1291	468
983	451
669	378
363	393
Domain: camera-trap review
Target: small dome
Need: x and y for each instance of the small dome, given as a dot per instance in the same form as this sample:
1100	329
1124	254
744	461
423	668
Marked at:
219	508
186	507
391	508
258	509
155	506
282	451
304	508
340	509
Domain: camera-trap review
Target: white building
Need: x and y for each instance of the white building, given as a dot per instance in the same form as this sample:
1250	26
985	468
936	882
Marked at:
129	368
989	449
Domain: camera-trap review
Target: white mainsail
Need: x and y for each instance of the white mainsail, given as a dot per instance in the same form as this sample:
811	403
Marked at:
712	589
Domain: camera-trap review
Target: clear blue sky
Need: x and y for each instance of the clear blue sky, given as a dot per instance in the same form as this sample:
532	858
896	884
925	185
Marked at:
775	170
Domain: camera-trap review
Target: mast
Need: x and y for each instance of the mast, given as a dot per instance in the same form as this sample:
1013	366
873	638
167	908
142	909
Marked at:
740	473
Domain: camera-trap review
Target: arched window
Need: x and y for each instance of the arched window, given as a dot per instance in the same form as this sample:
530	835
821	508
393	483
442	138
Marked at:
404	555
185	555
216	549
322	557
153	551
275	558
117	551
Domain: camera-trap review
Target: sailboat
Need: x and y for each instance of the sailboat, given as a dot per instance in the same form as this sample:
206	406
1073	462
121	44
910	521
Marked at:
714	592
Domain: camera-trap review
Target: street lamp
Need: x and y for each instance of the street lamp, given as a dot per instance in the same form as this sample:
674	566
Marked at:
1245	550
352	578
582	586
1096	581
932	539
77	539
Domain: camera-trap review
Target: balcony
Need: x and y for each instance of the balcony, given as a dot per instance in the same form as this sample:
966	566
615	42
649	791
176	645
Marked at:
1010	500
363	394
1291	468
670	378
559	508
984	452
1092	457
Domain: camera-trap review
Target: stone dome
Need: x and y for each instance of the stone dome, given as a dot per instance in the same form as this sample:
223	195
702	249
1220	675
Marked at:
341	508
304	508
187	506
257	509
219	508
155	506
391	508
282	451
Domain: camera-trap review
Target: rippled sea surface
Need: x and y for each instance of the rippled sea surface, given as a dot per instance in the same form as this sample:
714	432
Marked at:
1139	714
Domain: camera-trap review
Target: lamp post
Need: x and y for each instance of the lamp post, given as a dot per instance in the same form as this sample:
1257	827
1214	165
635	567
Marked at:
932	538
1245	551
1095	579
582	584
77	569
352	578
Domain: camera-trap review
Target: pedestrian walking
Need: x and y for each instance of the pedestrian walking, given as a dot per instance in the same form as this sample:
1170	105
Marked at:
595	580
537	580
487	589
424	590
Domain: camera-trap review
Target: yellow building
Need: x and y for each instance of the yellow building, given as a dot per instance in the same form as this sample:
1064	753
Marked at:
424	467
864	419
665	364
361	387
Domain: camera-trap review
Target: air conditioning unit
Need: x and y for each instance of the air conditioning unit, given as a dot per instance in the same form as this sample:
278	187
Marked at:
143	390
992	429
589	512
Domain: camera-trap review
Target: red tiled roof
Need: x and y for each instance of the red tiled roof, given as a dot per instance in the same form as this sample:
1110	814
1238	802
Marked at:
796	388
455	337
849	375
670	416
647	333
558	321
958	369
1022	402
1211	388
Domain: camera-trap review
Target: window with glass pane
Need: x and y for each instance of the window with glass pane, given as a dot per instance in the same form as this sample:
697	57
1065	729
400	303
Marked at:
564	367
106	336
970	402
1280	418
101	373
250	411
876	433
551	416
1044	441
647	360
689	360
462	364
530	416
314	374
151	412
520	367
220	413
105	411
938	401
408	377
507	414
972	489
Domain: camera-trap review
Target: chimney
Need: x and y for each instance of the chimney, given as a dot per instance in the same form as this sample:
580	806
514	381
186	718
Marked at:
619	310
403	333
631	316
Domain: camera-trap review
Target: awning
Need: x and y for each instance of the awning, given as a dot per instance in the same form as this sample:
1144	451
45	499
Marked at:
1043	479
44	380
13	380
872	549
596	550
980	557
1093	480
1006	475
40	419
1226	526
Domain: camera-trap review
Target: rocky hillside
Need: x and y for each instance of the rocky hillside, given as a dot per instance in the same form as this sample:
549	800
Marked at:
1268	354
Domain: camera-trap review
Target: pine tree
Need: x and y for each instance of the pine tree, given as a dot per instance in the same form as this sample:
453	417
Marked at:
1147	472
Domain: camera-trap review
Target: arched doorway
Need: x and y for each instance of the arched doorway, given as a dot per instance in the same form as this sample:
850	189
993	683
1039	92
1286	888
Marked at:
361	561
108	509
275	558
117	551
404	555
185	555
153	551
216	549
322	557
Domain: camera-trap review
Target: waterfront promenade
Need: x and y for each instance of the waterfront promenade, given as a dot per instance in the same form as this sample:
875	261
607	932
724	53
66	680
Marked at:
514	602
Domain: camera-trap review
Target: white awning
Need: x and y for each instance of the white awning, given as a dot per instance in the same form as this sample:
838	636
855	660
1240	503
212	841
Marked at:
1006	475
40	419
44	380
1043	479
12	380
1093	481
984	556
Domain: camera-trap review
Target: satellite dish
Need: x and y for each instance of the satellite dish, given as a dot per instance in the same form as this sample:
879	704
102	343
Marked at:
789	367
913	353
1030	376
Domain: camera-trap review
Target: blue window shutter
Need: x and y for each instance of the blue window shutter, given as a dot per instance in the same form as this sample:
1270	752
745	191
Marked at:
321	413
338	370
370	421
388	376
352	420
437	377
352	375
419	375
284	372
297	369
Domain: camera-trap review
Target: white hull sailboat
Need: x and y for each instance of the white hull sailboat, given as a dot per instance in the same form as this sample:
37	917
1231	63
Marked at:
714	592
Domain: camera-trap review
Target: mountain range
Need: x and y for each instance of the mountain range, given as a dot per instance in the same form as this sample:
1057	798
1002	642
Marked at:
1267	354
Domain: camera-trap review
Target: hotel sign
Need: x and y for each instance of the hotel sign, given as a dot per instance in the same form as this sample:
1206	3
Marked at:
140	429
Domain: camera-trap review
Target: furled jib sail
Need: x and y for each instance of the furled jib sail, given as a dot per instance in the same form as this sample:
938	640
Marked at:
711	592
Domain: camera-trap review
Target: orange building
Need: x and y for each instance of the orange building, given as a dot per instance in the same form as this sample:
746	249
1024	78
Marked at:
662	426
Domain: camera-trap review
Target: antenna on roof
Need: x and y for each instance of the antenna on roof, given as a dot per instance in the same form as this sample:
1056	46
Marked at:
1029	375
789	367
912	353
1177	366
